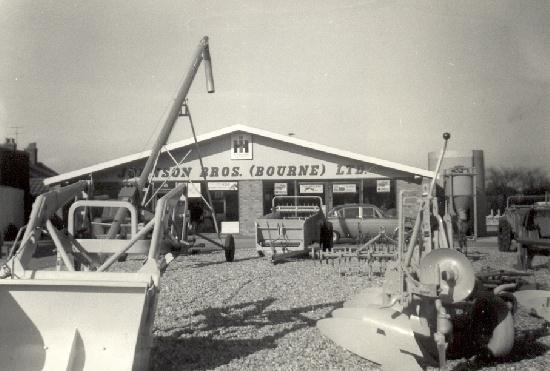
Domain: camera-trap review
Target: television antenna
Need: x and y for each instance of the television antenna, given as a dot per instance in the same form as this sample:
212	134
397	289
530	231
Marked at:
17	132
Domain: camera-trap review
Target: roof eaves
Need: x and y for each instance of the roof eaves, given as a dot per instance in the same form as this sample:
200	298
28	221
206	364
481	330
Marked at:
234	128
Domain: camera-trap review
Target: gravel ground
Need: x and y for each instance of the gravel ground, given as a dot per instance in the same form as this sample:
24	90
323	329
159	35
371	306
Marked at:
249	314
253	315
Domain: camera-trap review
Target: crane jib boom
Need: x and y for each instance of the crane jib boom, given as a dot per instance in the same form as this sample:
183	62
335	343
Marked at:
202	53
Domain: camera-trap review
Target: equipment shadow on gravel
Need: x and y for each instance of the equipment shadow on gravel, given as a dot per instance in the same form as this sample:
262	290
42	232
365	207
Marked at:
526	347
206	264
214	340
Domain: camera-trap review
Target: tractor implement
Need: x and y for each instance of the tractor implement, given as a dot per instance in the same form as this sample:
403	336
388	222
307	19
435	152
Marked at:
82	317
295	228
373	255
430	306
85	315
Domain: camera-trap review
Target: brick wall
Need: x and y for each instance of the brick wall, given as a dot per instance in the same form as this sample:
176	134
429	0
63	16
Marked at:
250	205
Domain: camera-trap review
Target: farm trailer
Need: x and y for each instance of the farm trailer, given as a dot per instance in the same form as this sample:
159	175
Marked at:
296	225
525	227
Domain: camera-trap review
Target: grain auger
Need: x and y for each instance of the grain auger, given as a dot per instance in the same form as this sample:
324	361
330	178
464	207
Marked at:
430	306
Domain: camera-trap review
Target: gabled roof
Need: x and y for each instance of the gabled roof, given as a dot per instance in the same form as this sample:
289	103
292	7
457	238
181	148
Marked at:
250	130
39	170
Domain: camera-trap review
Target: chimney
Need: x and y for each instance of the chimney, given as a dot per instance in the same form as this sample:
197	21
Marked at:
32	150
10	143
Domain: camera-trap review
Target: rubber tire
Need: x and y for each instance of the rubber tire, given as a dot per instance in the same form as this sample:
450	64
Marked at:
504	235
523	258
335	237
229	247
329	236
492	330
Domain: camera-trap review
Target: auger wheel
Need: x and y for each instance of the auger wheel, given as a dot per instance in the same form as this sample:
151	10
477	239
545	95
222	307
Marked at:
229	247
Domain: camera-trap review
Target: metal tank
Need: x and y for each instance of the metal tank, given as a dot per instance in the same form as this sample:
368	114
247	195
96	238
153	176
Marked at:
462	187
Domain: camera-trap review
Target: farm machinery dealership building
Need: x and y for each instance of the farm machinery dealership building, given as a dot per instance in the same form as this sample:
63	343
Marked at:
246	167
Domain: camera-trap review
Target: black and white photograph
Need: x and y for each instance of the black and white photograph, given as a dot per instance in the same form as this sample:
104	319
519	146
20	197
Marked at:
274	185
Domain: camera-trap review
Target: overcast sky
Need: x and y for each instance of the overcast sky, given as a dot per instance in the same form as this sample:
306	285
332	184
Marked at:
90	80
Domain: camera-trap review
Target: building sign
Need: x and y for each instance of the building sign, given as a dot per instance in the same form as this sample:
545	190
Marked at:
227	170
280	189
223	186
344	188
383	185
241	147
192	171
311	188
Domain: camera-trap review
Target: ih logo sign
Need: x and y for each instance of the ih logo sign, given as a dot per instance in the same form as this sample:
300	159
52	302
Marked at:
241	147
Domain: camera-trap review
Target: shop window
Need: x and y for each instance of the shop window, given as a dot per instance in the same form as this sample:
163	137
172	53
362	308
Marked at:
345	193
225	202
312	189
275	188
380	192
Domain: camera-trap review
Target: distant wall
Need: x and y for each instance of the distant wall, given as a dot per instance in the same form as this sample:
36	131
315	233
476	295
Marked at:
12	207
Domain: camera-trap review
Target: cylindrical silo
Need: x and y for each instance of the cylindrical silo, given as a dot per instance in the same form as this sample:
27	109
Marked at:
469	159
462	190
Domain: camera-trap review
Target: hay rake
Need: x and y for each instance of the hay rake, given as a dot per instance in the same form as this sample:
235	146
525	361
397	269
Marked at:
370	257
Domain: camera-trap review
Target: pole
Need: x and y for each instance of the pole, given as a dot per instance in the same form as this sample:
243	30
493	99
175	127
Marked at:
201	53
408	257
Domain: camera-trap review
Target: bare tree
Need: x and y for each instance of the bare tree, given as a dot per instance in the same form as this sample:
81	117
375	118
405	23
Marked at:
502	182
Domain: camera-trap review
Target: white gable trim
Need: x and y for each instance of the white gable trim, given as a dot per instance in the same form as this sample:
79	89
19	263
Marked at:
235	128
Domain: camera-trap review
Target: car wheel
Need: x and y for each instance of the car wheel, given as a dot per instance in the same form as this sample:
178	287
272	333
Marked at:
335	236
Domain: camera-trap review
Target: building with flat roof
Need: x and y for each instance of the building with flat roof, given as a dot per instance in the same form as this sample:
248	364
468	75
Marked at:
246	167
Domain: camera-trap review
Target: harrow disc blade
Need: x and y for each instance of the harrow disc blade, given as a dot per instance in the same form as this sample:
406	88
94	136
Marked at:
381	335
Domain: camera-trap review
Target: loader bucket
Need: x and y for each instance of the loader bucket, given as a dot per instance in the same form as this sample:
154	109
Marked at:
78	323
381	335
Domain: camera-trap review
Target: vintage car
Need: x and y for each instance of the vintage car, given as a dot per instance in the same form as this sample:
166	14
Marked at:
360	220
